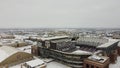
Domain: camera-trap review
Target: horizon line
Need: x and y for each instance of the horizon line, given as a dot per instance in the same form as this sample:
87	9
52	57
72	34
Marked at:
58	27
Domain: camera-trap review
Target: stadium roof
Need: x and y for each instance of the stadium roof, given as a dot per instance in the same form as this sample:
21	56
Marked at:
109	43
34	63
96	42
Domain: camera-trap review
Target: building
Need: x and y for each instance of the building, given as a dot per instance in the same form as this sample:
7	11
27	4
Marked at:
116	35
96	62
36	63
73	52
13	42
11	56
6	36
35	50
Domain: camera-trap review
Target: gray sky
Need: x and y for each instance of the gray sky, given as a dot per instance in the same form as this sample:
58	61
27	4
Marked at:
59	13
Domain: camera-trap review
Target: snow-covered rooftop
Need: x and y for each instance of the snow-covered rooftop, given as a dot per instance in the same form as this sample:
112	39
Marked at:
6	52
34	63
109	43
49	38
100	59
97	42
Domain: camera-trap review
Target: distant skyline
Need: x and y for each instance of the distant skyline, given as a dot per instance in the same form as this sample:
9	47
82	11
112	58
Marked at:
59	14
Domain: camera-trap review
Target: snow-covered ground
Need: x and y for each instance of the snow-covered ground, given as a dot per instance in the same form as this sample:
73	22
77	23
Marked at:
26	49
116	65
52	64
16	66
55	64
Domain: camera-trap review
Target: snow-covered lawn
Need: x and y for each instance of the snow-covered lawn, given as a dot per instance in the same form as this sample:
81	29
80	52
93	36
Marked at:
116	65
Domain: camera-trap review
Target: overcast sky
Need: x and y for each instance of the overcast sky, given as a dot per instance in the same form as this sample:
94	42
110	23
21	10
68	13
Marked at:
59	13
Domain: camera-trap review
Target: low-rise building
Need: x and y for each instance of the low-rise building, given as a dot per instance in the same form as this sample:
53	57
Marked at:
36	63
96	62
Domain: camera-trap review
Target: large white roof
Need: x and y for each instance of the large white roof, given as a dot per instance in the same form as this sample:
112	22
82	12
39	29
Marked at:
6	51
98	42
